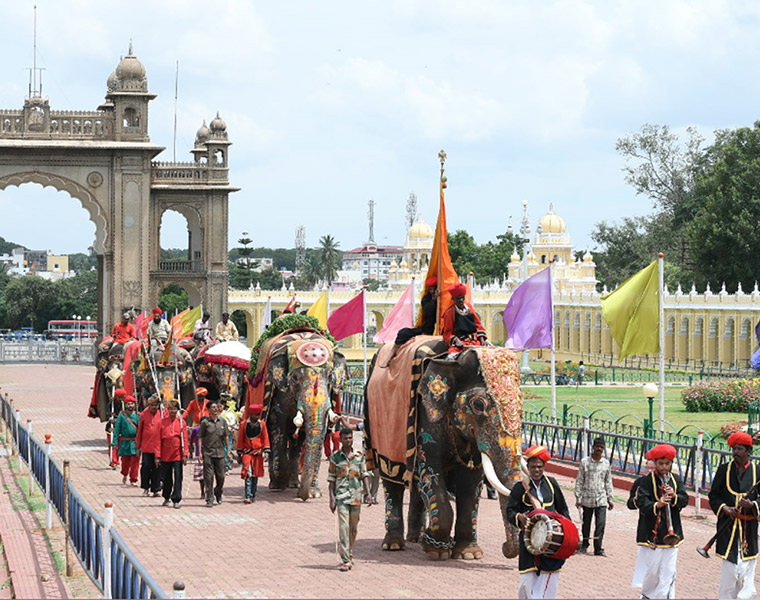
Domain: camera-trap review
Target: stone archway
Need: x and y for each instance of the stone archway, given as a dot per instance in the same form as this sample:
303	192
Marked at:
105	159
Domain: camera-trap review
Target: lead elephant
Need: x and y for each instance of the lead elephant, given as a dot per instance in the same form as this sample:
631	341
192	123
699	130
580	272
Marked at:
113	371
437	425
302	376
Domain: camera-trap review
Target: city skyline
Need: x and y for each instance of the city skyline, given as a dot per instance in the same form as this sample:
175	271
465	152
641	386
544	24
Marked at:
331	106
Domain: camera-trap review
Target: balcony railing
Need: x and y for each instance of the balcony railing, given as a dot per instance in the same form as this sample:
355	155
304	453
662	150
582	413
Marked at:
179	265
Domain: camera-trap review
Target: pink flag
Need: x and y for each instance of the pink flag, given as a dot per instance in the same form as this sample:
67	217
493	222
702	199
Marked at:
348	319
528	315
141	324
400	316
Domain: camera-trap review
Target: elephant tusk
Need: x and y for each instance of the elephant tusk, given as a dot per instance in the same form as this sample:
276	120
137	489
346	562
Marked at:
524	466
298	420
332	416
490	474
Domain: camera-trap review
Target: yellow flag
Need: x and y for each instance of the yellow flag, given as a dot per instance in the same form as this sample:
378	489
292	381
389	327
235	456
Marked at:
166	356
186	320
632	312
319	310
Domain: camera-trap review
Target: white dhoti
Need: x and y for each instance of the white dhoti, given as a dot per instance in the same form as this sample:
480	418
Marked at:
659	579
535	585
737	580
640	567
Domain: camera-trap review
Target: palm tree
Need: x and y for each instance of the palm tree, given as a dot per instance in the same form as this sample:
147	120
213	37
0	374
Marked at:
329	257
312	270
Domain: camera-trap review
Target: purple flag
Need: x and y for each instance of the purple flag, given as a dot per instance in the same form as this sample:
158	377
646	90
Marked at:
755	360
528	315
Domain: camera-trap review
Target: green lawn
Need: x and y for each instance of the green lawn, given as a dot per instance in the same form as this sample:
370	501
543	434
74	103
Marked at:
628	400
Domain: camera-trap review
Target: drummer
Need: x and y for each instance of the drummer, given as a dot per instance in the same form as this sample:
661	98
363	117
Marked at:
539	575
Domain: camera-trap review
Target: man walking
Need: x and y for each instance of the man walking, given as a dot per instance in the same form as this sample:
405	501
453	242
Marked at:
593	494
124	434
346	478
172	454
733	497
147	442
214	433
253	443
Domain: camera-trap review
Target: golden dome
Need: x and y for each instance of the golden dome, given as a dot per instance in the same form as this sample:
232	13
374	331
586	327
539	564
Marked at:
551	222
421	230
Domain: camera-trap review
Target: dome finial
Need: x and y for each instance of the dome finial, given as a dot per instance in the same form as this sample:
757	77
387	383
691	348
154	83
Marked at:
130	48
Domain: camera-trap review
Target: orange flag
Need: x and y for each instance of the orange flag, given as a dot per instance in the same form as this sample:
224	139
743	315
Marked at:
166	356
440	261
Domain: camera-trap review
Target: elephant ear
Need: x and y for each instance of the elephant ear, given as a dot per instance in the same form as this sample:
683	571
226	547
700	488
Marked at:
278	371
437	388
339	374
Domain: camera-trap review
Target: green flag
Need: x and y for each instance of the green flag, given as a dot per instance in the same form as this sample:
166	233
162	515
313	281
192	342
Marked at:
632	312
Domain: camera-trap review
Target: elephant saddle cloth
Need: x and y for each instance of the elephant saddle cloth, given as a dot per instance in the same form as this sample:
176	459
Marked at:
391	418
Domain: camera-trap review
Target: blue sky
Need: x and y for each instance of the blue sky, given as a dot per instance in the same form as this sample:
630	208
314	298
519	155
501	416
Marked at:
334	103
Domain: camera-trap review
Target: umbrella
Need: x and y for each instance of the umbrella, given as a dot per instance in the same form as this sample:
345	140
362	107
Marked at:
235	354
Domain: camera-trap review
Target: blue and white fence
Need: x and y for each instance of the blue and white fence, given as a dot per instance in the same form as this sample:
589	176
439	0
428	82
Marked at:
101	551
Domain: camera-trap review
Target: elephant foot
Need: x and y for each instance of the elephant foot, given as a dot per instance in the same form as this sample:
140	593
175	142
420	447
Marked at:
393	541
435	549
438	554
294	484
468	551
413	536
315	493
273	485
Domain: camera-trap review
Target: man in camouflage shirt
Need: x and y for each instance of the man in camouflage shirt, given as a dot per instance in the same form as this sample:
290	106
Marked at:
347	477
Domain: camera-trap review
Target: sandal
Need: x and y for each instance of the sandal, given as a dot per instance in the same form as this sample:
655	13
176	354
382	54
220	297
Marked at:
344	567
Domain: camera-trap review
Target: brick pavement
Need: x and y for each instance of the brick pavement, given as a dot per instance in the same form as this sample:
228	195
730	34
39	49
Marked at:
283	547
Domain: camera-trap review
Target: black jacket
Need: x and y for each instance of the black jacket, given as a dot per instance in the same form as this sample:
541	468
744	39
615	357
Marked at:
553	501
652	520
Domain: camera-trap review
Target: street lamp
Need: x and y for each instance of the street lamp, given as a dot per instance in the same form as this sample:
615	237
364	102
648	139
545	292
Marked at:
78	319
650	391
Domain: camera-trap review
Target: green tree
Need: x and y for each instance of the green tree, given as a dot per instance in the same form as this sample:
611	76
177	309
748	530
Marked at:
372	284
6	247
173	299
723	234
80	262
245	252
329	258
76	295
29	301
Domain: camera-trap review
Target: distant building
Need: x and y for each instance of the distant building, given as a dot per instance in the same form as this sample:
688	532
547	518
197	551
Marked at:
258	265
37	262
372	261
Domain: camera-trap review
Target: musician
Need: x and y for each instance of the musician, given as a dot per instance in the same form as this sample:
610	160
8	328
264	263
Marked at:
632	504
737	512
658	526
539	575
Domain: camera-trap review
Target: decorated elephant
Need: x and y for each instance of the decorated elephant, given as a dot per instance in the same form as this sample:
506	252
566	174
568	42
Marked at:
437	425
221	369
297	378
170	375
113	370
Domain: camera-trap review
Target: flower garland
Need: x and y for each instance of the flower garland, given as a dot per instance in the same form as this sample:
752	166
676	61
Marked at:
281	325
500	370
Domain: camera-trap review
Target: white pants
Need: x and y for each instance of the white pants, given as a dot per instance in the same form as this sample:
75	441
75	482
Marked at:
533	585
639	567
737	580
659	579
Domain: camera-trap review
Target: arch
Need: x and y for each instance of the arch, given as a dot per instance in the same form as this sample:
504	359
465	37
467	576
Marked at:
746	342
670	338
712	340
243	321
683	342
498	329
194	231
75	190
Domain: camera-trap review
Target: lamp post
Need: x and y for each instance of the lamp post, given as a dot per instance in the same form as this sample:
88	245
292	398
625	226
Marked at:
650	392
525	233
78	319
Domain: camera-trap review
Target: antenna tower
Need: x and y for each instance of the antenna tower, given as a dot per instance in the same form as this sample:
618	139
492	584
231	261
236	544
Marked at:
371	215
411	210
300	247
34	91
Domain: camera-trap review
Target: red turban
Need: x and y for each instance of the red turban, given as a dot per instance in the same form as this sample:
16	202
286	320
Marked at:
157	311
538	452
130	399
458	290
201	391
662	451
255	409
740	437
120	392
431	281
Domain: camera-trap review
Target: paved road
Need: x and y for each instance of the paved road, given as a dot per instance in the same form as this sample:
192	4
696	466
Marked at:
283	547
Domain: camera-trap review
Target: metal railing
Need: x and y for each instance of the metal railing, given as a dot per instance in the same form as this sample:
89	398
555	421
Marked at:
47	351
101	551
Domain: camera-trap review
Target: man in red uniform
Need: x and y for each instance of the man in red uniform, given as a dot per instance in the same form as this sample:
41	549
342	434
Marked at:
172	453
461	325
253	442
123	331
198	408
147	442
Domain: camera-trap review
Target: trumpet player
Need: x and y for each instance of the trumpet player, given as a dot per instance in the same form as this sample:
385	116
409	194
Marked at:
661	497
734	499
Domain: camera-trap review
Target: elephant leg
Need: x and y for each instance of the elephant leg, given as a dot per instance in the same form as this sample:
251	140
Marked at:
469	483
294	460
416	515
394	516
279	464
436	540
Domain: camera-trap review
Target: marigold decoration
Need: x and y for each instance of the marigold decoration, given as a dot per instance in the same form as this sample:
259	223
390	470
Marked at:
501	372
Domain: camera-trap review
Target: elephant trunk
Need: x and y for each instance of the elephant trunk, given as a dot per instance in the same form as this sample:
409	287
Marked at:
490	474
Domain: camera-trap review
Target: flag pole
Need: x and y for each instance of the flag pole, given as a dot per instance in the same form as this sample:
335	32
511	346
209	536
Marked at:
364	329
414	301
553	356
661	286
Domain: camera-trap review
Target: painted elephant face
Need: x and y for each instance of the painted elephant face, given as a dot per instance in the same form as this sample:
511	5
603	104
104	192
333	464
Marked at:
228	380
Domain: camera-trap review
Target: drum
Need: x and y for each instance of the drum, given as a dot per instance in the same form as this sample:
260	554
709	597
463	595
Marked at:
550	534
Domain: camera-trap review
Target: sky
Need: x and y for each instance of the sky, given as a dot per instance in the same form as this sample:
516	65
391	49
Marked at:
331	104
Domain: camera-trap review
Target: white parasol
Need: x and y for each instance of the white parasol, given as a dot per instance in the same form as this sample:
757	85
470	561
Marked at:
232	353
